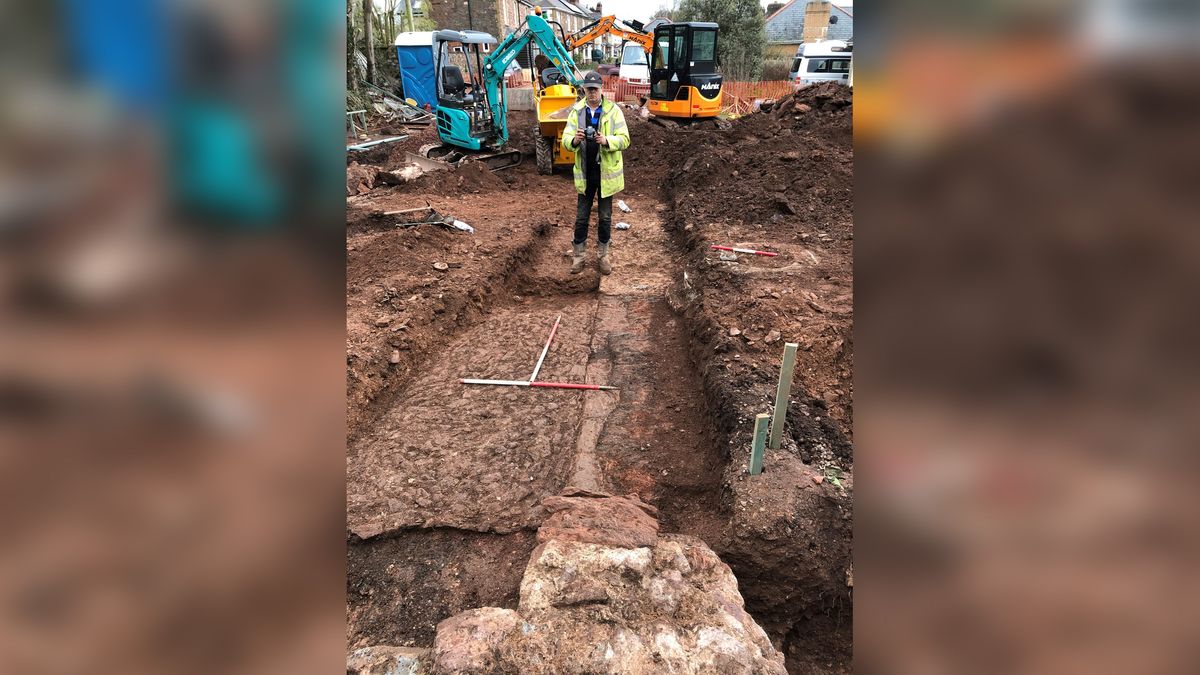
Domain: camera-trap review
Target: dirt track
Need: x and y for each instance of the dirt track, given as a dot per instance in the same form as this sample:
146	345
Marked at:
443	480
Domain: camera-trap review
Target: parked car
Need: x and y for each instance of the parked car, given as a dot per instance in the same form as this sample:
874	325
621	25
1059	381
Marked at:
608	71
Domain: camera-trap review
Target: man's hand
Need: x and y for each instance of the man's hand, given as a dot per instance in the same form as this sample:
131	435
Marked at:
579	136
601	139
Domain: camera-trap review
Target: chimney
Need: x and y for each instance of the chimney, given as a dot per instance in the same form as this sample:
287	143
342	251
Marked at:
774	7
816	21
600	9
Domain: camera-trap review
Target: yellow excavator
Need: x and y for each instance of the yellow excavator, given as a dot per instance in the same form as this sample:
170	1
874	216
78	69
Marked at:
553	95
683	80
684	83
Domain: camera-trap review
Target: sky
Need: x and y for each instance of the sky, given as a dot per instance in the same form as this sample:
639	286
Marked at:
640	10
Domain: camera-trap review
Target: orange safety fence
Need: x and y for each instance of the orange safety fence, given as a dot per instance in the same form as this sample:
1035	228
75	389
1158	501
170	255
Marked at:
624	91
738	98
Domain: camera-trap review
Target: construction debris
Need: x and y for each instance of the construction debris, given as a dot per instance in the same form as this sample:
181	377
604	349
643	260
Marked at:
394	110
427	207
430	216
742	250
371	144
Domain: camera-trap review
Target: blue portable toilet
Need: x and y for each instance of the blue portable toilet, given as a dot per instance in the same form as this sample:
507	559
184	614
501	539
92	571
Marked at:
119	46
414	51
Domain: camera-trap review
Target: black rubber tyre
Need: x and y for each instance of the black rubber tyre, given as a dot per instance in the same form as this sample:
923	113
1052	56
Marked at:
545	155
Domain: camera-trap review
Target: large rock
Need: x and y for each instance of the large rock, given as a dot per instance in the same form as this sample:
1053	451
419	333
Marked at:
670	606
595	518
470	642
360	179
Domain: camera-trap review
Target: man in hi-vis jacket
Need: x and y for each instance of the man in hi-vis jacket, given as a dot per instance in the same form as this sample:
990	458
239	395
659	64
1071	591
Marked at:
597	133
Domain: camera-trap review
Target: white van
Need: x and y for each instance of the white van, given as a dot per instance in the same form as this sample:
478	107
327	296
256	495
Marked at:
824	61
634	66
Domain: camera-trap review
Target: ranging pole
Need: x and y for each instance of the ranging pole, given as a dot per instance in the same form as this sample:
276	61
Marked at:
532	383
782	392
567	385
549	385
760	440
502	383
545	349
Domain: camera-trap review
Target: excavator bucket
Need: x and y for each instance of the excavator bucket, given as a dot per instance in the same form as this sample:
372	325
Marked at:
553	105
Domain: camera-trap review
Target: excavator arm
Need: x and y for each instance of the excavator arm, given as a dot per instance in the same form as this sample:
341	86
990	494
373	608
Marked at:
534	29
606	25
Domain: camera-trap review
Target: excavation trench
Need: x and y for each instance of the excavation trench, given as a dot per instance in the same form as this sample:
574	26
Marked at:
444	485
444	480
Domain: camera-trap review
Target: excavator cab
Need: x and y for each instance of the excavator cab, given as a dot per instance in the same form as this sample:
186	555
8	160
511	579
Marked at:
684	82
464	116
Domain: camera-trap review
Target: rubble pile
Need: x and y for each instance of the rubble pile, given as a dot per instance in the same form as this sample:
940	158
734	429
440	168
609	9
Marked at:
603	592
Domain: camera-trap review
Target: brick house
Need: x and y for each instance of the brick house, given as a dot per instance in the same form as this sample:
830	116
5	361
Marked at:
498	17
502	17
570	16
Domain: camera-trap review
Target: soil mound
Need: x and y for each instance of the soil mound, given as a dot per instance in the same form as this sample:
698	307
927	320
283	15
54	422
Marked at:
793	160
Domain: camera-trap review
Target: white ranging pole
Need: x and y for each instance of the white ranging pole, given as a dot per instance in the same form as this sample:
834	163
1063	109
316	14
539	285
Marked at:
532	382
548	385
533	377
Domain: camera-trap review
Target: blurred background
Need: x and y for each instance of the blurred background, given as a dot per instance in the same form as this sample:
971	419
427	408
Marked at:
172	358
1026	379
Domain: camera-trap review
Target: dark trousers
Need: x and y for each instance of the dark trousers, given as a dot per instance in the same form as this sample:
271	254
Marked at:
583	213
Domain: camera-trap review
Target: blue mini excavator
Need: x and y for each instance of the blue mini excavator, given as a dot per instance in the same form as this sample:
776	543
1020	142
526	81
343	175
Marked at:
472	110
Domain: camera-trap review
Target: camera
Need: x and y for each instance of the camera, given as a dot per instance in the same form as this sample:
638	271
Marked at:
590	133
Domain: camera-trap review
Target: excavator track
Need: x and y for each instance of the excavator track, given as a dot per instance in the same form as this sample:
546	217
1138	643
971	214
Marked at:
456	156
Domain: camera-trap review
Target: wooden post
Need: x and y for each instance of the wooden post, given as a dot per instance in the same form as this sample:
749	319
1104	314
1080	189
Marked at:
782	392
760	441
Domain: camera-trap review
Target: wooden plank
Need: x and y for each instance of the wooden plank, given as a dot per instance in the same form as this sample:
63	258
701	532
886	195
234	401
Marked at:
782	393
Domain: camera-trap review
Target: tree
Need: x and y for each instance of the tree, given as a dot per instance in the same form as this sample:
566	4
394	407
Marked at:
743	35
351	74
664	12
369	37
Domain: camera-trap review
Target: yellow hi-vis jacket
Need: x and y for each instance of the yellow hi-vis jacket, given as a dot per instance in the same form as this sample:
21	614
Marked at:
612	126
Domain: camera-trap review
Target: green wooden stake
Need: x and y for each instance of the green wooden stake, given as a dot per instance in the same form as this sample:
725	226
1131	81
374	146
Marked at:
782	393
760	442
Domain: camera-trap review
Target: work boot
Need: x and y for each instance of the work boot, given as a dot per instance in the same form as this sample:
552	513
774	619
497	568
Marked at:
605	263
580	252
